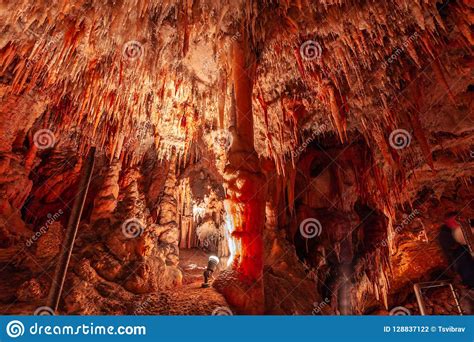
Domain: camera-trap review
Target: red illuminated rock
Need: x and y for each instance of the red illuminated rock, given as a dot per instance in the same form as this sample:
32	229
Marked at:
224	126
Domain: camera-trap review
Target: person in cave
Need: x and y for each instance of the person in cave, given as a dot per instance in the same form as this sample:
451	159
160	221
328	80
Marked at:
456	250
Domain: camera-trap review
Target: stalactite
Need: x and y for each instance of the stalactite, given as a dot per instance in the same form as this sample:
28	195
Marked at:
299	61
269	140
336	111
438	71
382	145
291	190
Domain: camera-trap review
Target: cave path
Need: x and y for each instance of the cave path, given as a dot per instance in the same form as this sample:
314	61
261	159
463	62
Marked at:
190	298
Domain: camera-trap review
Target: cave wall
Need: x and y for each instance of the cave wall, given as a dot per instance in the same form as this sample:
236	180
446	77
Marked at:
121	248
226	95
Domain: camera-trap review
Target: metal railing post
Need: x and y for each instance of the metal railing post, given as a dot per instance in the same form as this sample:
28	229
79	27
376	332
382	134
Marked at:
71	232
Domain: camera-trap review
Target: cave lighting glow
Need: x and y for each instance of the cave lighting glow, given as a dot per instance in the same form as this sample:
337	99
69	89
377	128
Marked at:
233	244
198	212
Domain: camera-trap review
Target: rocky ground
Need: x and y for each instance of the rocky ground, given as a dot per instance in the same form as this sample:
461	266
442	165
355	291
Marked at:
188	299
353	116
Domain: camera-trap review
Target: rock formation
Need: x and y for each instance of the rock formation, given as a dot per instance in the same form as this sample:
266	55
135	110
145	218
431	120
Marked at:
315	147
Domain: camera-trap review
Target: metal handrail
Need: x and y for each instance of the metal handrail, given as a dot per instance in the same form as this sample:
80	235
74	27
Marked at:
432	284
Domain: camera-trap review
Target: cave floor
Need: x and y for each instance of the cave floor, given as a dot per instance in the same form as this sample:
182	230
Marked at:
190	298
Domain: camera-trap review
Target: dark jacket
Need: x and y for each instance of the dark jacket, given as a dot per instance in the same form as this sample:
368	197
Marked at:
458	256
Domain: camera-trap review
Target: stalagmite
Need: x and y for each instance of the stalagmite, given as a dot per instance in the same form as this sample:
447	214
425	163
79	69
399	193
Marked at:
245	185
314	147
106	200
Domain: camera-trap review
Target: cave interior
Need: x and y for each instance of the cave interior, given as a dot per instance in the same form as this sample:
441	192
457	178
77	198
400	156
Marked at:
316	148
